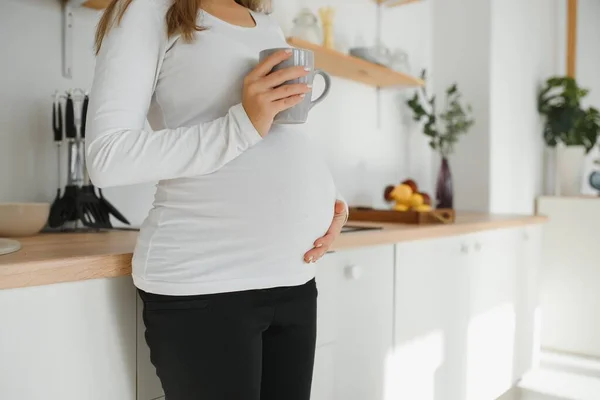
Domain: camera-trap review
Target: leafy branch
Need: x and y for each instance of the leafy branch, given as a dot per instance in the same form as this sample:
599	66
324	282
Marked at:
443	129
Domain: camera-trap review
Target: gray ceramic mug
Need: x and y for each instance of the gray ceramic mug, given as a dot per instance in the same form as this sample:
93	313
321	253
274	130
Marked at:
305	58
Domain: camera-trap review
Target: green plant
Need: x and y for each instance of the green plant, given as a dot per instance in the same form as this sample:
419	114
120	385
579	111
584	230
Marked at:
567	121
455	118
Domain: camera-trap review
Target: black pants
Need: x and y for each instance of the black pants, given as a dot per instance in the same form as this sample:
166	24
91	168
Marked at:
252	345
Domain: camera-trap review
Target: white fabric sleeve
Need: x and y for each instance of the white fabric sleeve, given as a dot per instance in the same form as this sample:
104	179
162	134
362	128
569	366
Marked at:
121	148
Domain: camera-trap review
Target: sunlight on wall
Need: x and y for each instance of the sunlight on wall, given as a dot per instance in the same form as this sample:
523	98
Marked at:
410	368
490	353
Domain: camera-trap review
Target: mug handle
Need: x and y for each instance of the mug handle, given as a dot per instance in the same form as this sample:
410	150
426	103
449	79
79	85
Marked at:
327	80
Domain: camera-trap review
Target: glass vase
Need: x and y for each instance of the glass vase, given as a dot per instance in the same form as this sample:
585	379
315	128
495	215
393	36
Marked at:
444	194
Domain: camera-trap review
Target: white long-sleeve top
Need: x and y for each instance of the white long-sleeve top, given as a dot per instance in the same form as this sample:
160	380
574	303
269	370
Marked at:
232	211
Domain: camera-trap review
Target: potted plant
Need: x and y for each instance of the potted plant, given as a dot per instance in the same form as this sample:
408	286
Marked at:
569	129
443	129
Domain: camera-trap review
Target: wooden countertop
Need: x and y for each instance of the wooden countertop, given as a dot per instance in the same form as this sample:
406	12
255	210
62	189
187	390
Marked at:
66	257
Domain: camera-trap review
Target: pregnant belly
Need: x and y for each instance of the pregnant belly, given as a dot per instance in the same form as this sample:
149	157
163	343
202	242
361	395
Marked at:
275	194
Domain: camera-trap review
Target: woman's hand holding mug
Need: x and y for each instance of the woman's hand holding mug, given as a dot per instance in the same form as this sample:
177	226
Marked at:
264	94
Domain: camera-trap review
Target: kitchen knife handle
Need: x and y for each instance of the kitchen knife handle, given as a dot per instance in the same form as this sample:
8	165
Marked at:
71	131
84	109
57	121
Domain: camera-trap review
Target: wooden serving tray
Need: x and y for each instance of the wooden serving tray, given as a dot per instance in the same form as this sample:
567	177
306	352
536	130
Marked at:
439	216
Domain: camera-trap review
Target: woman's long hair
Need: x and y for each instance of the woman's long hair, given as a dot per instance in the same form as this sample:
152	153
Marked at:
180	19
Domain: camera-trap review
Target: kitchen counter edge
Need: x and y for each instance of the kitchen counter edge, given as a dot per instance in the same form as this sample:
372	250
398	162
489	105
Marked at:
69	257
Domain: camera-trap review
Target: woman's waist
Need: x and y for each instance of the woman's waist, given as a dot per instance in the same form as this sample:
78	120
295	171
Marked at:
171	232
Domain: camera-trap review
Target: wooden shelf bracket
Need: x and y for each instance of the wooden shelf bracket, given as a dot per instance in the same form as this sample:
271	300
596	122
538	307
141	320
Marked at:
67	35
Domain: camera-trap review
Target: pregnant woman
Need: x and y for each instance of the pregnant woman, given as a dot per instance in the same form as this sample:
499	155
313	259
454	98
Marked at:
224	262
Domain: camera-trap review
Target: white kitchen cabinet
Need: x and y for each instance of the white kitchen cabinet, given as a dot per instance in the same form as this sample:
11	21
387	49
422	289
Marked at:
148	384
528	328
503	326
328	278
431	317
323	375
68	341
356	316
464	315
569	295
493	301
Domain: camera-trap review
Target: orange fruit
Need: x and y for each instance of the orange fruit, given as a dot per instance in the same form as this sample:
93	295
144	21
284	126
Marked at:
400	207
401	193
416	200
412	184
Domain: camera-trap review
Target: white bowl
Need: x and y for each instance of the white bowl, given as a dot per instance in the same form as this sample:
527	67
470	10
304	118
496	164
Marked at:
370	54
22	219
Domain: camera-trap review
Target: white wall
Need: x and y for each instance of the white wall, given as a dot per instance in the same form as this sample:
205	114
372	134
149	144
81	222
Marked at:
497	52
523	56
588	53
363	158
461	42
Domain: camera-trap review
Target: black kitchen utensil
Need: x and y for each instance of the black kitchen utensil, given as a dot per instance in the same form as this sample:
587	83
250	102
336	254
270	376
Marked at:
58	214
106	207
112	210
80	202
70	128
84	108
90	207
71	191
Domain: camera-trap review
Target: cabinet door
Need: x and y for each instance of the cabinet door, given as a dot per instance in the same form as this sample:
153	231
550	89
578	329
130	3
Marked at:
322	385
491	336
148	384
364	321
528	288
68	341
328	282
431	318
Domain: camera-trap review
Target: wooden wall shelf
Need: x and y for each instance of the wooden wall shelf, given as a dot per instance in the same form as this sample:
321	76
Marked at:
355	69
335	62
396	3
97	4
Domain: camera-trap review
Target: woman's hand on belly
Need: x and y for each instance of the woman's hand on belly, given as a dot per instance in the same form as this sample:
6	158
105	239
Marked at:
322	244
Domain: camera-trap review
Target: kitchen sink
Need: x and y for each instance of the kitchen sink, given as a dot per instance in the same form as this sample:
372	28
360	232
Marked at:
351	228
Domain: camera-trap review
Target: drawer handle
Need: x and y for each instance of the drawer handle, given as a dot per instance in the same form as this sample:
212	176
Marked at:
353	272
